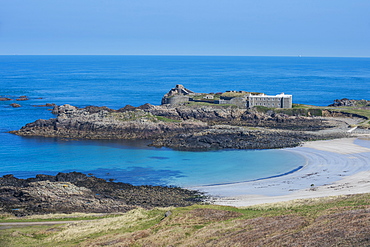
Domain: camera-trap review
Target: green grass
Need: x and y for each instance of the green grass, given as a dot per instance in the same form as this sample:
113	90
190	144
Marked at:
309	110
237	94
180	227
23	236
51	217
192	103
263	109
136	115
201	97
167	120
302	106
70	235
132	115
358	111
232	94
301	111
296	110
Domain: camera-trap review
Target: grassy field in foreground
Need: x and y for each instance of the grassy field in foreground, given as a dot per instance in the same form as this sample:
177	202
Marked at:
333	221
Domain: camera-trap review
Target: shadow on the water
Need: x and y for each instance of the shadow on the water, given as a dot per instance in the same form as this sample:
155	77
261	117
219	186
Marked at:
123	144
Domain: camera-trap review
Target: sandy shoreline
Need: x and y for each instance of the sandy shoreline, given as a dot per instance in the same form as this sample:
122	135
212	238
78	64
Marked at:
333	167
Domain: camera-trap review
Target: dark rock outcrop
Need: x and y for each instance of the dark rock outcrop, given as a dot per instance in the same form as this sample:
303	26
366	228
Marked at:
182	127
76	192
22	98
15	105
98	123
239	138
240	117
350	102
45	105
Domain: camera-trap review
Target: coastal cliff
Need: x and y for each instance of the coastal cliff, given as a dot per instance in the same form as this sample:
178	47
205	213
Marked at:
183	127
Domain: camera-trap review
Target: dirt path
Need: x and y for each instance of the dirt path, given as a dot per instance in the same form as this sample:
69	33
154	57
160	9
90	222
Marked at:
7	225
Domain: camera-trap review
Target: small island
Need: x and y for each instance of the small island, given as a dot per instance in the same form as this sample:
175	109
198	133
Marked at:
205	124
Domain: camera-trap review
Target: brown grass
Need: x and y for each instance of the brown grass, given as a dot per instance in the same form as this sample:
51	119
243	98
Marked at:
334	221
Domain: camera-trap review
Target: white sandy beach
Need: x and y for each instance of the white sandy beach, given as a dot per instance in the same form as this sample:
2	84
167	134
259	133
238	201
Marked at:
333	167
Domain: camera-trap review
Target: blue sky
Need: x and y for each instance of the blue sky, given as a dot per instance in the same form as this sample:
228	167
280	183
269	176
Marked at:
192	27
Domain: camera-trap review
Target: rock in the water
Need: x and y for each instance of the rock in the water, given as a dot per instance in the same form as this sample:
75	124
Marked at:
22	98
45	105
4	99
15	105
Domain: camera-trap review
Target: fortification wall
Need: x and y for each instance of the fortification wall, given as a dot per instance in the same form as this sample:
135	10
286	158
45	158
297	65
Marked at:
175	100
180	95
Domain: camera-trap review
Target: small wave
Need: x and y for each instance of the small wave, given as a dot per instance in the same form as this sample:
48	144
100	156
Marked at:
258	179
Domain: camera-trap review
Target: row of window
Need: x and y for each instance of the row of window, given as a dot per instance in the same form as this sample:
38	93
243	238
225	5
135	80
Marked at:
272	99
267	104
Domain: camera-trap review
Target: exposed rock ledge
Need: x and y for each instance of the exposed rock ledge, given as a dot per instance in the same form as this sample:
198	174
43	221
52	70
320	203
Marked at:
77	192
183	127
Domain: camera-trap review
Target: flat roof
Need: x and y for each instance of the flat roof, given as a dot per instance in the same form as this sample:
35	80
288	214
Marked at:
282	95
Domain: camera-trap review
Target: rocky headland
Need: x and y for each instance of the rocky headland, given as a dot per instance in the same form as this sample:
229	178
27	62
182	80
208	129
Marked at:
191	127
77	192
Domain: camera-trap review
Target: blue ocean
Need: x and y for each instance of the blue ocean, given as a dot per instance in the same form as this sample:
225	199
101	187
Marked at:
116	81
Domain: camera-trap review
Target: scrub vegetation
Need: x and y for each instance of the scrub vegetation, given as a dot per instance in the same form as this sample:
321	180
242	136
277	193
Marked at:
364	112
192	103
359	110
141	116
332	221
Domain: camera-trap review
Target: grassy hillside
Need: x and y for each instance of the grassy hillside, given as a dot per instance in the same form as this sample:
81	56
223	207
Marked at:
335	221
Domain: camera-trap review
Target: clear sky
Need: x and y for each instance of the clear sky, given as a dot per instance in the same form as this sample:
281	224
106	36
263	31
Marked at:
187	27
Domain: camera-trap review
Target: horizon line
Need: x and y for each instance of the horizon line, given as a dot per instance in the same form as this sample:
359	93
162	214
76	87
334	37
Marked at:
185	55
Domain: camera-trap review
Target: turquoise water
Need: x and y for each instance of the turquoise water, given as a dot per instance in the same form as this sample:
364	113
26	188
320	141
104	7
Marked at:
115	81
142	165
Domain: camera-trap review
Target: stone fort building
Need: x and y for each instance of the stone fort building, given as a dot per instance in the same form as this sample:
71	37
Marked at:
242	99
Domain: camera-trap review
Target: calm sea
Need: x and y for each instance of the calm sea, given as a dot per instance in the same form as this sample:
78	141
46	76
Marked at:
115	81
